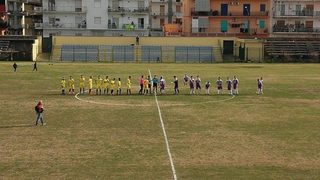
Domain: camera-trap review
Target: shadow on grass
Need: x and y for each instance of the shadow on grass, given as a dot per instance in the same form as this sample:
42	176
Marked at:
17	126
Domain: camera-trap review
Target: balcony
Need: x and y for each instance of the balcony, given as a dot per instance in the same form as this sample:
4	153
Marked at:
230	14
47	25
128	27
34	2
293	29
129	10
62	9
295	14
159	14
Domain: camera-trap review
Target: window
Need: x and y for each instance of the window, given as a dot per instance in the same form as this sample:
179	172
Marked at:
97	20
178	8
224	26
262	24
262	8
97	3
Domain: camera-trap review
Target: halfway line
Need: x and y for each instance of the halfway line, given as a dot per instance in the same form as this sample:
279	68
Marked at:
165	135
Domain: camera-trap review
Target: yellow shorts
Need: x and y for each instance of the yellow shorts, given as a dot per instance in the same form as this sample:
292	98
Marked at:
81	85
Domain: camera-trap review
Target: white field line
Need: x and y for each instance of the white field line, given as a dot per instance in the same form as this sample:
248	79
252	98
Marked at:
165	135
148	105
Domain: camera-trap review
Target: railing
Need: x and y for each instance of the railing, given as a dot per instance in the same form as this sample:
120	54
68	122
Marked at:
47	25
218	13
129	10
292	29
128	27
59	9
155	13
296	13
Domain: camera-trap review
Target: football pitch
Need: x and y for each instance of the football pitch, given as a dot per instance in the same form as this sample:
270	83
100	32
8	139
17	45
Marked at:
249	136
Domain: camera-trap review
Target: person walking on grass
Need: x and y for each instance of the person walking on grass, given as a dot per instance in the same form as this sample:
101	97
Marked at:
129	85
260	86
63	86
15	66
176	85
39	113
35	68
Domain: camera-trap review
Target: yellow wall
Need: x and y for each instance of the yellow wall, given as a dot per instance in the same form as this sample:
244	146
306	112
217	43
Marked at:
160	41
254	47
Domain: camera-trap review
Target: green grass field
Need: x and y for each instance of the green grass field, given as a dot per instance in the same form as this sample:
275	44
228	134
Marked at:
272	136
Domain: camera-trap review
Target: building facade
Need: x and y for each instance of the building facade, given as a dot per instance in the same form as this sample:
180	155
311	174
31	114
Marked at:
22	17
94	17
128	17
164	12
226	17
292	18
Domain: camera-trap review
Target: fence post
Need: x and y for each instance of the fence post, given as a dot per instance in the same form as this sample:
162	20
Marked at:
187	55
199	55
73	54
86	54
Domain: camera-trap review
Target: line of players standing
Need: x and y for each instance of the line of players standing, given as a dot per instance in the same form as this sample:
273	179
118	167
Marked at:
149	85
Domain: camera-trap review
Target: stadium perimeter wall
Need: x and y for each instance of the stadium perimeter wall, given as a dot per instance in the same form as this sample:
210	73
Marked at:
253	48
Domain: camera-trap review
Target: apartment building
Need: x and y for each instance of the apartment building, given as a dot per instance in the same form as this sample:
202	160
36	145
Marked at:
292	18
226	17
164	12
128	17
94	17
22	17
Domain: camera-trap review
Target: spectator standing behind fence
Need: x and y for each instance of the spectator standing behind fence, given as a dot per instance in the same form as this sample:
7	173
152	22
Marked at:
35	68
137	40
15	66
39	113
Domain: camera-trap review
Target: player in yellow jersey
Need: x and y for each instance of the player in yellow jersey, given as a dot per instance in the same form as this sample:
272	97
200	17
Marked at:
119	87
82	80
112	84
129	85
98	84
90	84
63	86
106	84
145	84
71	85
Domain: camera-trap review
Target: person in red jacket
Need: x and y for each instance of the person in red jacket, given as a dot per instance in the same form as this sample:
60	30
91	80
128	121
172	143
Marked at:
39	112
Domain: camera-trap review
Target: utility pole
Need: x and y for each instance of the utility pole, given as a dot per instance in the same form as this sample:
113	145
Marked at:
170	13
